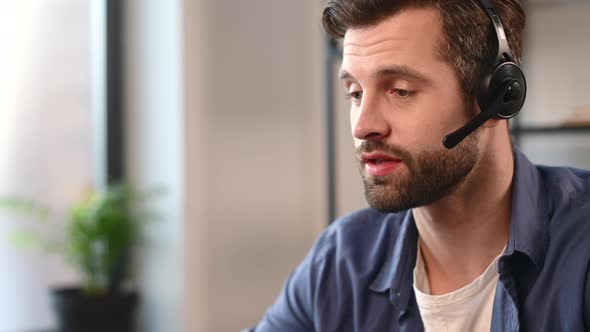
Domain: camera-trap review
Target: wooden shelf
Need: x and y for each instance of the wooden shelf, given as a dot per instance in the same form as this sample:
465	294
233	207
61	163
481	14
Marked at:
531	4
524	130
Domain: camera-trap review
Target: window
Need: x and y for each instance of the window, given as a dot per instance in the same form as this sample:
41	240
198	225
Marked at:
45	139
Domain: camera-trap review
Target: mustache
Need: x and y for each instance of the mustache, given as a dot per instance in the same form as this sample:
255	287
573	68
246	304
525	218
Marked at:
372	146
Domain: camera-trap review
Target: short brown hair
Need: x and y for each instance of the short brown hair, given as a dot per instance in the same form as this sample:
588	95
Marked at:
470	43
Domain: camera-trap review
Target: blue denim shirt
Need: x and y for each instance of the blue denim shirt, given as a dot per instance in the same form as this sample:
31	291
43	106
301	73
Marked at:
358	276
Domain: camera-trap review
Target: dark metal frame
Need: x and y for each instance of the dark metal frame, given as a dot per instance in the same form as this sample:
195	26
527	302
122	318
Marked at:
331	52
115	115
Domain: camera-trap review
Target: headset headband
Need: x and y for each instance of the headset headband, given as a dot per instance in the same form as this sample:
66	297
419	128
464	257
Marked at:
504	53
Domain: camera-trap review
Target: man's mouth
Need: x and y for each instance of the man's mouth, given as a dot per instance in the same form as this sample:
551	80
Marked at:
379	164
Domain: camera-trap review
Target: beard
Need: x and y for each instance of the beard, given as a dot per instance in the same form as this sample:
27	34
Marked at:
427	177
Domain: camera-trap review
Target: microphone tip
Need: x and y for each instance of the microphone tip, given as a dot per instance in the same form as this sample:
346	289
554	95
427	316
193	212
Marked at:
449	142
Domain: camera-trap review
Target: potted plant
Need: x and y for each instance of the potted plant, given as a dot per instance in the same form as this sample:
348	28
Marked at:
96	239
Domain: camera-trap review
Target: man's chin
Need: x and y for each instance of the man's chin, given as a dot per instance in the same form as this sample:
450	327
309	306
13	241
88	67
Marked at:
396	197
383	198
389	209
381	181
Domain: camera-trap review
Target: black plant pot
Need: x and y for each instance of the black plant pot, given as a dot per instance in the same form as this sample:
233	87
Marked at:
77	312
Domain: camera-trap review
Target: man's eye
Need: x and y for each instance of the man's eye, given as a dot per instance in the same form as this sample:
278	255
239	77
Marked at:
355	95
402	93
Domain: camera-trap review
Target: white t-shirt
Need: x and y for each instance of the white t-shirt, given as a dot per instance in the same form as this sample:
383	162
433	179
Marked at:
467	309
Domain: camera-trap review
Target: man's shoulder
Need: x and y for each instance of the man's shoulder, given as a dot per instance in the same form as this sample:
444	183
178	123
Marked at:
361	235
567	185
570	178
568	205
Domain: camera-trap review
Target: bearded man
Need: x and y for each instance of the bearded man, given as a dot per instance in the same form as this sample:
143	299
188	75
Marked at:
464	233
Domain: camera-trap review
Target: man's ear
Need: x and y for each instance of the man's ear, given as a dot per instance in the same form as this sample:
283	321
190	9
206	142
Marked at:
491	123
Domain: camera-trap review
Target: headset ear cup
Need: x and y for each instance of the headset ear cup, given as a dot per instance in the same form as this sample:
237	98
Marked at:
502	90
484	97
506	73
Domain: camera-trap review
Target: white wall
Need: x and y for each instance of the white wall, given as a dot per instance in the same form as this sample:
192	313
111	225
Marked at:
233	125
558	73
557	52
264	152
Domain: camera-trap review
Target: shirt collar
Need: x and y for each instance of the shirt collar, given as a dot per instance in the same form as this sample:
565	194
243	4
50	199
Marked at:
396	273
528	234
529	229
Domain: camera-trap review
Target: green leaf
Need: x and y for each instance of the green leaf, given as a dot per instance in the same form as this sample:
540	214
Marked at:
23	206
98	233
27	240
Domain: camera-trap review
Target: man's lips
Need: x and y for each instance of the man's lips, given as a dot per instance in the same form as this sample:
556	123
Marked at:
379	164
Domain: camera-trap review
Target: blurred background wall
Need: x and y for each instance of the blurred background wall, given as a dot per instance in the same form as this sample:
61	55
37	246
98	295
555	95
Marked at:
225	109
224	105
557	53
45	141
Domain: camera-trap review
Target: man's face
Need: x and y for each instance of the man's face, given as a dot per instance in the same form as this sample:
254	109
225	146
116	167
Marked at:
404	99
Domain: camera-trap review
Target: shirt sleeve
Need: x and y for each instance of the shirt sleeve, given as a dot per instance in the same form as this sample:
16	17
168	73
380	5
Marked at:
587	299
294	309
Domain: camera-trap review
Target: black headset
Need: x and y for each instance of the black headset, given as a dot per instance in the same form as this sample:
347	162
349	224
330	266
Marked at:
502	90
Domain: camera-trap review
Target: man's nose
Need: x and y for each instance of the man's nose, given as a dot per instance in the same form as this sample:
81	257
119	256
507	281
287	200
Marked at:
368	121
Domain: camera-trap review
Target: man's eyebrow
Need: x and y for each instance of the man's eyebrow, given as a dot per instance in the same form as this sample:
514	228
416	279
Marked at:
344	75
397	70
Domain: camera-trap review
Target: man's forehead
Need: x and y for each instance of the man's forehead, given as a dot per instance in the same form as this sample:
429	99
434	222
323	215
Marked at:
411	38
413	24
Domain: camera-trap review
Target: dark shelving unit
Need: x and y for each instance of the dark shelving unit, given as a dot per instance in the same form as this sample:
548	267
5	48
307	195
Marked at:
519	131
537	130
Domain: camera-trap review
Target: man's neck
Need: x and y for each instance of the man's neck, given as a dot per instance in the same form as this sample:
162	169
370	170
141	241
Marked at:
461	234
